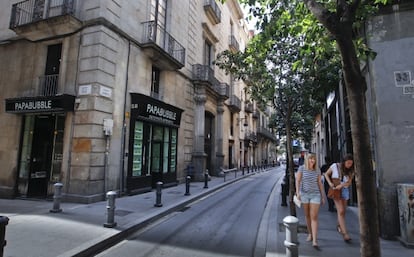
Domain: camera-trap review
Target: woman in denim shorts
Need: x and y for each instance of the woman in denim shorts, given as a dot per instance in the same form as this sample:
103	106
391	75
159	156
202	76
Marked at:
345	172
310	190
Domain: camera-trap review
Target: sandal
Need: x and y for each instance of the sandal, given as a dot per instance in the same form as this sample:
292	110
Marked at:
347	239
309	238
338	228
316	246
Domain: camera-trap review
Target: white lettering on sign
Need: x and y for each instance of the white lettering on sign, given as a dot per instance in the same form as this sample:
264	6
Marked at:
161	112
33	105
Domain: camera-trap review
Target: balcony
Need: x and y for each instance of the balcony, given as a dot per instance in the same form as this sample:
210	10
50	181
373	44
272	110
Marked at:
233	44
163	49
256	114
223	90
203	75
248	107
264	132
250	136
212	11
35	19
234	104
48	85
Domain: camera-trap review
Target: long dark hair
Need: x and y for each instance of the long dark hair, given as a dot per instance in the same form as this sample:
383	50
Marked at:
347	171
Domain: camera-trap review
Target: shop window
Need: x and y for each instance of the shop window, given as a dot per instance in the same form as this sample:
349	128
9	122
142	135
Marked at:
137	153
173	151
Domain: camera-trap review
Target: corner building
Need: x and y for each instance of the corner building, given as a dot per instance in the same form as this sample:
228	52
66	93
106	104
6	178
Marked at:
118	95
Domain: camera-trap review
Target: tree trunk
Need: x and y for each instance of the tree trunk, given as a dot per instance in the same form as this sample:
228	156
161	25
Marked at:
292	179
365	178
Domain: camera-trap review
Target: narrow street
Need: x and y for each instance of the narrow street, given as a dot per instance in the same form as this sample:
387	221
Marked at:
223	223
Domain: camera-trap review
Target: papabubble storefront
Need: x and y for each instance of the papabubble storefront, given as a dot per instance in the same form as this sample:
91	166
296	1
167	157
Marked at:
153	143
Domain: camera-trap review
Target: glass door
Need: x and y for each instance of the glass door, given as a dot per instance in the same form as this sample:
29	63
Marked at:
156	154
41	154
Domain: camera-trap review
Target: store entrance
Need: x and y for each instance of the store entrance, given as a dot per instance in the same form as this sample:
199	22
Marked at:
41	157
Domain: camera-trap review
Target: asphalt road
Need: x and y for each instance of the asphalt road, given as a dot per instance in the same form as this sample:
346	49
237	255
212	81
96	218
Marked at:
225	223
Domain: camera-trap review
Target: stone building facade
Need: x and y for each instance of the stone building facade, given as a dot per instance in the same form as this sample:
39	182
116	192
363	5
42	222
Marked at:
118	95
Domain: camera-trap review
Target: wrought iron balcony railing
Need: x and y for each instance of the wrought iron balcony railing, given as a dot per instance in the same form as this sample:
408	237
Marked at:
213	11
203	73
264	132
154	34
31	11
48	85
248	107
234	103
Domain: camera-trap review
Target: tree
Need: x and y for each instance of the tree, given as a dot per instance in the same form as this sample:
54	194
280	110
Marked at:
282	68
342	20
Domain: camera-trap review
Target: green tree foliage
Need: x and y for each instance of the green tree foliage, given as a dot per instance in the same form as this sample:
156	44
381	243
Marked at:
292	65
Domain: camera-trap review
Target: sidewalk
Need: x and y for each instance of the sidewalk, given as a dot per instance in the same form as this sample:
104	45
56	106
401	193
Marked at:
329	240
78	230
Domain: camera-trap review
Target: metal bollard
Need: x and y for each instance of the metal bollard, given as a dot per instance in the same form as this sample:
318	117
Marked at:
187	185
206	179
3	223
158	194
291	242
57	197
243	171
110	209
284	193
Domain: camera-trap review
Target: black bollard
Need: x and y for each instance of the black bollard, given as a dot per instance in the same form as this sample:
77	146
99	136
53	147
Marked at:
158	194
110	209
57	197
206	179
284	194
243	171
187	185
3	223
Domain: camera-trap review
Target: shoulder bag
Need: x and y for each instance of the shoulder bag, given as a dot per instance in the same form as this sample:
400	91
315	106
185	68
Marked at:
335	193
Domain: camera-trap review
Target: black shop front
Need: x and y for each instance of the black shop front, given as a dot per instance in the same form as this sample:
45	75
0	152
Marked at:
41	143
153	144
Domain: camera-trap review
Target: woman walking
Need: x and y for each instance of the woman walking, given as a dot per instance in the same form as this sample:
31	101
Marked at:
343	171
310	191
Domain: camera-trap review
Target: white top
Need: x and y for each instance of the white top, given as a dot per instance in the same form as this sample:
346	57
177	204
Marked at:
335	173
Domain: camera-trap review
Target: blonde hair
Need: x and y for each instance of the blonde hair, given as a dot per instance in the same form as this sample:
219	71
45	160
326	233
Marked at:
310	156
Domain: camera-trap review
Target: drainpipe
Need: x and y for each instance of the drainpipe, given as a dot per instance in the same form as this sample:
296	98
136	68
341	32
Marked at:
124	126
107	140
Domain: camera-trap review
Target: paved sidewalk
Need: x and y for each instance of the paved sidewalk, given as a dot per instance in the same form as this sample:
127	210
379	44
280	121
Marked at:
329	240
78	230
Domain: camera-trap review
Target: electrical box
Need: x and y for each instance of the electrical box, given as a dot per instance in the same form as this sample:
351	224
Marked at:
406	211
108	125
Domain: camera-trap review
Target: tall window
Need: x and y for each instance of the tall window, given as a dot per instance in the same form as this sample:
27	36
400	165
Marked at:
208	54
158	12
155	82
